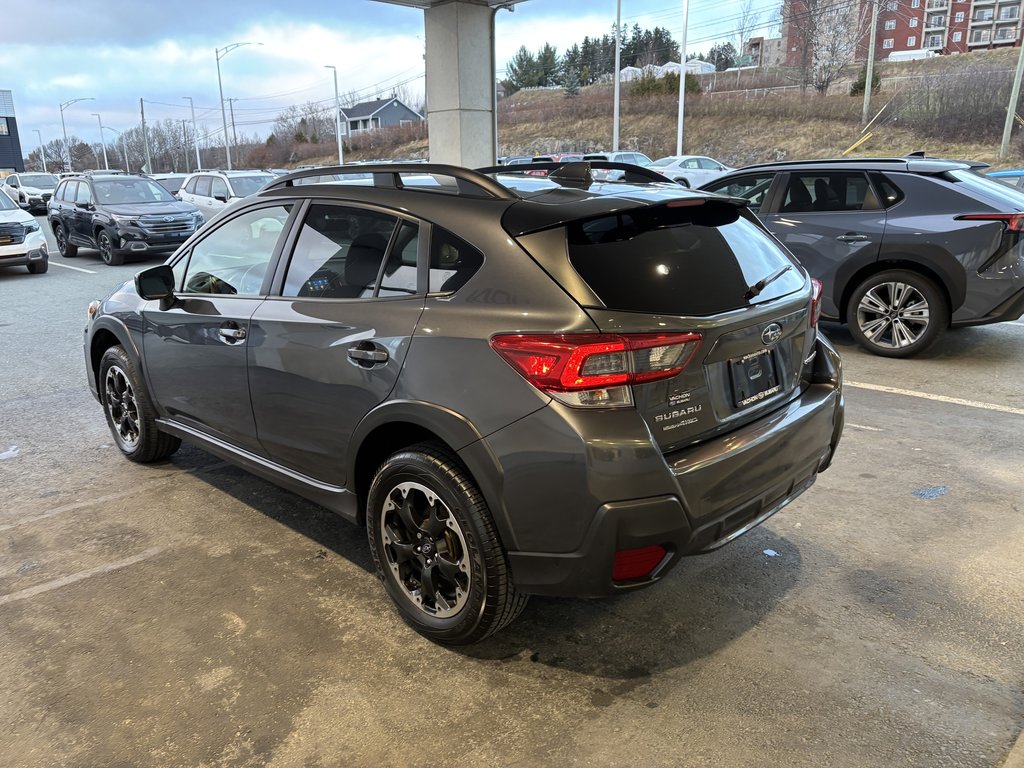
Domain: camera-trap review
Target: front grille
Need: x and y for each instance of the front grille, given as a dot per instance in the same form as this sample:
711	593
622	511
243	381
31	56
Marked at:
158	225
12	234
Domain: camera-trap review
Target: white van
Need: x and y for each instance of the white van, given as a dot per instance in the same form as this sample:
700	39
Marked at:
911	55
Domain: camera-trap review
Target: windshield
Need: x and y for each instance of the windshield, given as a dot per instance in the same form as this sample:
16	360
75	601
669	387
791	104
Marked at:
990	190
249	185
130	190
6	204
40	180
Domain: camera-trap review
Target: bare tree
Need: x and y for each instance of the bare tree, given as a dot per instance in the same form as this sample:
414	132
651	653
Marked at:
826	34
748	21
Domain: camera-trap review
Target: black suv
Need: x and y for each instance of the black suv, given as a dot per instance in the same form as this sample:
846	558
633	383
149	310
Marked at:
518	384
905	247
118	214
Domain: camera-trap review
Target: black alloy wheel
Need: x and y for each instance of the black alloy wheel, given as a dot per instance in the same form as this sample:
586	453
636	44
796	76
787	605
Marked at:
897	313
107	253
436	549
130	415
66	249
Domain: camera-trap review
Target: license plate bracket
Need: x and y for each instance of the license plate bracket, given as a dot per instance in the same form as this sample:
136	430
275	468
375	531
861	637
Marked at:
754	377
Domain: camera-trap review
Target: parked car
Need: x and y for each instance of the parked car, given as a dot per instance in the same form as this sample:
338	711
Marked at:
118	214
21	241
212	191
905	247
634	158
1014	178
30	190
690	170
170	181
516	392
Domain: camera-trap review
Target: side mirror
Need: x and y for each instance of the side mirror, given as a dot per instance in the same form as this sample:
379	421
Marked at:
156	283
222	198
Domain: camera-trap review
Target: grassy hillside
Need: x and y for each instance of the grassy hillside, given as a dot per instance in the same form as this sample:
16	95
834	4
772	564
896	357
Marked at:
949	106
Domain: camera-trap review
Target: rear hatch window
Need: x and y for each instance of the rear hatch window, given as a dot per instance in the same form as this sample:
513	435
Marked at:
691	259
1001	196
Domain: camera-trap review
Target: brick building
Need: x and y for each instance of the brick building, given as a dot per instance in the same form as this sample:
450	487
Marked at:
941	26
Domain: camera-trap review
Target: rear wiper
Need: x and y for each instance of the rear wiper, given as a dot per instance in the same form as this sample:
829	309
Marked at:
763	283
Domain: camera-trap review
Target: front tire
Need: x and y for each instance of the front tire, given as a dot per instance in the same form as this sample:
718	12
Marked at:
130	414
39	267
897	313
436	549
110	257
64	248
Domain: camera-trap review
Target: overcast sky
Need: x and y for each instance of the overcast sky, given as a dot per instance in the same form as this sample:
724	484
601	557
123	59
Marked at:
119	51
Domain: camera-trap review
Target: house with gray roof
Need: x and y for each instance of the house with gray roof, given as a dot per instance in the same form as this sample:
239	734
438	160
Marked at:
371	115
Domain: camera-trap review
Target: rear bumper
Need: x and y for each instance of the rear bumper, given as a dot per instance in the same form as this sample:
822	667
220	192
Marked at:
719	490
1008	310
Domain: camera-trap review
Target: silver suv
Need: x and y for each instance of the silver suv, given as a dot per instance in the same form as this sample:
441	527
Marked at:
518	384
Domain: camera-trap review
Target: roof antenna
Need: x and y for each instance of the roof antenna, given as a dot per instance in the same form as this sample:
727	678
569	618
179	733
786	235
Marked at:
917	153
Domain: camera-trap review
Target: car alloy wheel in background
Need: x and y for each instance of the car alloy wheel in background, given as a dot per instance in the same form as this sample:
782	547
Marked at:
897	313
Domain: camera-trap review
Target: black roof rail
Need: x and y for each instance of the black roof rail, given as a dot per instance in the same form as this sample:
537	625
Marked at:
390	175
829	161
575	171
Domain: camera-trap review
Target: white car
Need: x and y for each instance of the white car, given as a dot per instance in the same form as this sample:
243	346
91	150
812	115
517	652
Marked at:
690	170
30	190
21	241
213	191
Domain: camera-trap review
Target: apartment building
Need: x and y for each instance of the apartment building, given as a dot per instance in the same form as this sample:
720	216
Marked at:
10	147
941	26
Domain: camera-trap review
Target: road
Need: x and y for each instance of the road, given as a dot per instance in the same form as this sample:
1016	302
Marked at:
186	613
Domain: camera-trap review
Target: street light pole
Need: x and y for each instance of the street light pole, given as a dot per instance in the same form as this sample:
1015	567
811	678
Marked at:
65	105
682	78
618	54
124	149
195	132
42	149
106	164
221	53
337	113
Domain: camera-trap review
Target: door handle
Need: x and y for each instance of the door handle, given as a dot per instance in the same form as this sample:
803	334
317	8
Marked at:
231	335
375	355
853	237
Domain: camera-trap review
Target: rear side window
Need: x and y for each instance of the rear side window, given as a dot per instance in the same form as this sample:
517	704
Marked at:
891	194
452	261
190	187
827	192
989	190
693	260
339	253
203	186
68	191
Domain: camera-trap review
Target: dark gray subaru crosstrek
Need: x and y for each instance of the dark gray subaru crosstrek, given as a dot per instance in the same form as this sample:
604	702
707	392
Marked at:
519	385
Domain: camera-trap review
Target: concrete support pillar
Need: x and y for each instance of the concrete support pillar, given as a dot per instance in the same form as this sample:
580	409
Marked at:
461	83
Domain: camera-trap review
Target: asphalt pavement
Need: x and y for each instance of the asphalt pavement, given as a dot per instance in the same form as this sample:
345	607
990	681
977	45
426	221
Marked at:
187	613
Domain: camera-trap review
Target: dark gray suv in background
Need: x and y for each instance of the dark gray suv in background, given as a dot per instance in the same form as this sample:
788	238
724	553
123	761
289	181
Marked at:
905	247
519	385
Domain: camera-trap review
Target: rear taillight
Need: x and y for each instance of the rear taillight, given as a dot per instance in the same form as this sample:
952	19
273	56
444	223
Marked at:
1014	221
815	301
590	369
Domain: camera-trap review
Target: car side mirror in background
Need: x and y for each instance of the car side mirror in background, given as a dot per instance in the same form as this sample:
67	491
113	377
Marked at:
222	198
156	283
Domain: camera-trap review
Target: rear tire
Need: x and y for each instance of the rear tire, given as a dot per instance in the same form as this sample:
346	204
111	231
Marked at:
64	248
129	411
39	267
110	257
897	313
436	549
683	182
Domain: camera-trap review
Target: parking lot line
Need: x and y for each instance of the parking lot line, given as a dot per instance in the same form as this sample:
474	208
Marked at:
49	586
937	398
66	508
68	266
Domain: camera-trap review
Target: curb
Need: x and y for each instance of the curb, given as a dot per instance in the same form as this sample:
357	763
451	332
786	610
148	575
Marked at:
1016	757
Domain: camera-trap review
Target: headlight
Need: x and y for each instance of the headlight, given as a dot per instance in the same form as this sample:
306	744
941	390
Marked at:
31	227
125	219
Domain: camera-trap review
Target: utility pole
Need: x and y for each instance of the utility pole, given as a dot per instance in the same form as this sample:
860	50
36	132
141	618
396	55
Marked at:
618	56
221	53
195	131
337	113
145	138
184	144
682	77
869	71
1011	110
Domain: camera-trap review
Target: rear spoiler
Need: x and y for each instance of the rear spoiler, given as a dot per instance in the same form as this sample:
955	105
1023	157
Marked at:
579	173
